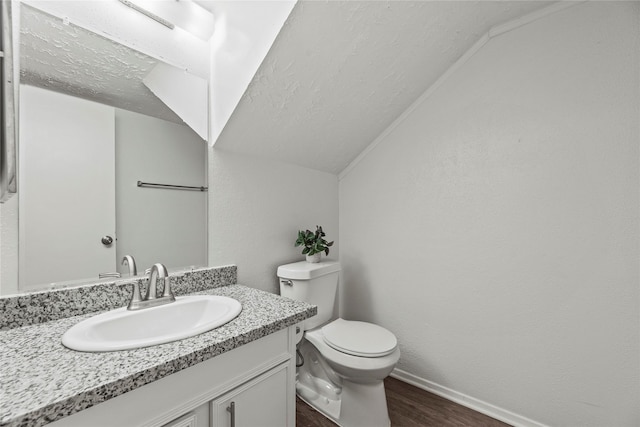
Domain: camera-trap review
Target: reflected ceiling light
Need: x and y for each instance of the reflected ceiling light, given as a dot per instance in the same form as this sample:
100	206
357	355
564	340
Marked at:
184	14
145	12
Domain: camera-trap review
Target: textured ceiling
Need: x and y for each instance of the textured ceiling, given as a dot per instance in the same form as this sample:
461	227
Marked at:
340	72
69	59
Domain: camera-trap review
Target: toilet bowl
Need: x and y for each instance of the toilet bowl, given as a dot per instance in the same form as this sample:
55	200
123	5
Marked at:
346	388
360	357
344	362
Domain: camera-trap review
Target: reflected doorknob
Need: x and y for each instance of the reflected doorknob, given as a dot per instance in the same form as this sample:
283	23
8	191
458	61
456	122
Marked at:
107	240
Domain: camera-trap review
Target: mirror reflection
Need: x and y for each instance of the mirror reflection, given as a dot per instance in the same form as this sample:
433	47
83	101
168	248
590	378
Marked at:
97	117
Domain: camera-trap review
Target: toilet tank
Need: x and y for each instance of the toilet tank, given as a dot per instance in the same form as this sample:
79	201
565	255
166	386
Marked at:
314	283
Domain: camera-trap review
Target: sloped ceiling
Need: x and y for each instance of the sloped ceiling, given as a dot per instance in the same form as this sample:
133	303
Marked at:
340	72
69	59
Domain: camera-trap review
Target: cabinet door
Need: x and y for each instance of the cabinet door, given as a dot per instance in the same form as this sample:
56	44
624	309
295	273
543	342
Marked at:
262	402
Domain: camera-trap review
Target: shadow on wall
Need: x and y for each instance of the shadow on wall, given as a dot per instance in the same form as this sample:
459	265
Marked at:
358	304
354	296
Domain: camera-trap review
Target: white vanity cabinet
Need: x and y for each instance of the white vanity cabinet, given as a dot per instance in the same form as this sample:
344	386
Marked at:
256	379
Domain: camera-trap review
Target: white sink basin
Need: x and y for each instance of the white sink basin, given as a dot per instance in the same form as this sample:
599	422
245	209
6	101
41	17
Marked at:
122	329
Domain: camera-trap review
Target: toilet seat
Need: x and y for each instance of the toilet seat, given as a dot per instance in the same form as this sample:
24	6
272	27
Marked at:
359	338
362	368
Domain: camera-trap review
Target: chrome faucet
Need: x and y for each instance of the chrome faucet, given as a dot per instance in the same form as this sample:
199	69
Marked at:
131	263
158	271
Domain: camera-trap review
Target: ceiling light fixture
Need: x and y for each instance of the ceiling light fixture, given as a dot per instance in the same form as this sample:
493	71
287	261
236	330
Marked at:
147	14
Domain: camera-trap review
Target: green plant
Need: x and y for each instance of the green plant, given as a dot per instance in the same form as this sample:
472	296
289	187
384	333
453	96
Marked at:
313	242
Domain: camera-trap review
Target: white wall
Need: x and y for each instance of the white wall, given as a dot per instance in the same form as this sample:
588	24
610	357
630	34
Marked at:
9	246
159	225
495	230
256	208
243	35
185	94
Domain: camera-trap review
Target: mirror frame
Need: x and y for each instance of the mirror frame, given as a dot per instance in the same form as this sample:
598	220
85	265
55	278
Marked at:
8	98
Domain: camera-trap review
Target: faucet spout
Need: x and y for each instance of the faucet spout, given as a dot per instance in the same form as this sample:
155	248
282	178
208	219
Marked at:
158	271
130	262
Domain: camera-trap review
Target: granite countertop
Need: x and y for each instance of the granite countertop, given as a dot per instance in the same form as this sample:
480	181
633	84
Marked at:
41	380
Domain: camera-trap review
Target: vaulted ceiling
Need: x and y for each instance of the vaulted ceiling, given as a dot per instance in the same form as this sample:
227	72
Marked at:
102	50
70	59
340	72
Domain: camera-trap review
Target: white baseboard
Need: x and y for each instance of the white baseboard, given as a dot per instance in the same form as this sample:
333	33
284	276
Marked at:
465	400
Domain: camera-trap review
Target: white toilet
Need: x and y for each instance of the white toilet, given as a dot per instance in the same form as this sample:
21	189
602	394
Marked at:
345	362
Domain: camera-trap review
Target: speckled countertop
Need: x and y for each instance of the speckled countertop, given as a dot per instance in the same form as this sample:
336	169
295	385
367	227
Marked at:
41	380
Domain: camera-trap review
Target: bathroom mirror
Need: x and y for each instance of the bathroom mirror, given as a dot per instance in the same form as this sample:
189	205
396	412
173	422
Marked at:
82	210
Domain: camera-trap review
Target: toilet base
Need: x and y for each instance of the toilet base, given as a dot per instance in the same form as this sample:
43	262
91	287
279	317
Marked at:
356	411
346	403
364	405
328	407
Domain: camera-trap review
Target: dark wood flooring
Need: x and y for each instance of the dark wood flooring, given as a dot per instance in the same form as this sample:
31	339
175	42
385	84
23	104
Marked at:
409	406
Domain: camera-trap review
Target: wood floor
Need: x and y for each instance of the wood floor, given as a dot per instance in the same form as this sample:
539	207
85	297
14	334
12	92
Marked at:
409	406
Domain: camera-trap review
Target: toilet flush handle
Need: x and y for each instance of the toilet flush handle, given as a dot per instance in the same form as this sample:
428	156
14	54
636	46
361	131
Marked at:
286	282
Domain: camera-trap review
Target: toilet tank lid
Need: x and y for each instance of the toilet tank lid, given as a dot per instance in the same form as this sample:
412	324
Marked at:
304	270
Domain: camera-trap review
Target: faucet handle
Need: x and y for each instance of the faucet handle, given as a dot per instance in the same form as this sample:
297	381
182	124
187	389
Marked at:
135	297
167	289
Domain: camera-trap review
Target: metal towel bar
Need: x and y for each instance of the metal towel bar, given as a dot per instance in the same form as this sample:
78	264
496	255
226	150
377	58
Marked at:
171	186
